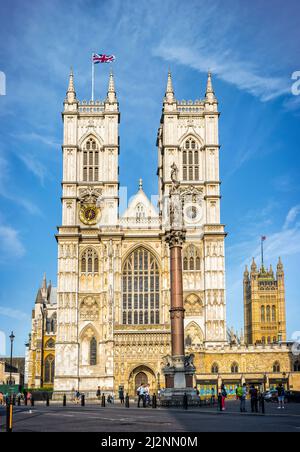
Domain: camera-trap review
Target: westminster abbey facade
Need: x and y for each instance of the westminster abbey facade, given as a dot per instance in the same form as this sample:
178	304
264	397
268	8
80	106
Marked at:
107	323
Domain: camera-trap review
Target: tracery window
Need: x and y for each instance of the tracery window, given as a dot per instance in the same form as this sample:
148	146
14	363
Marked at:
268	314
140	288
49	369
89	261
191	258
90	161
235	368
51	324
50	343
190	160
215	368
140	212
273	314
93	352
276	367
263	314
297	366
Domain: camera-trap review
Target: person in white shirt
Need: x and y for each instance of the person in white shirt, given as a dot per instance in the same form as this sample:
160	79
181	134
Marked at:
141	395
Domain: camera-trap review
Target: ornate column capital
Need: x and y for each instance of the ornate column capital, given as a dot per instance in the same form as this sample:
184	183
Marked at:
175	237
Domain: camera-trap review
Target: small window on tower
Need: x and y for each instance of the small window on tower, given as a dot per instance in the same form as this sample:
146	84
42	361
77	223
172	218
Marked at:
91	161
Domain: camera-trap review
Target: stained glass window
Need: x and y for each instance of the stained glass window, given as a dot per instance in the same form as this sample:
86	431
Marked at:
141	288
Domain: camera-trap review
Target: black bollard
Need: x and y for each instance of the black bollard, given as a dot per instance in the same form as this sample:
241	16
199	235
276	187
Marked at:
185	401
103	401
32	400
64	400
127	401
19	401
82	400
9	417
154	401
47	400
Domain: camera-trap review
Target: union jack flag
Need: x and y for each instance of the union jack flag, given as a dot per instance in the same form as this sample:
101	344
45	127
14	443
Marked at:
100	58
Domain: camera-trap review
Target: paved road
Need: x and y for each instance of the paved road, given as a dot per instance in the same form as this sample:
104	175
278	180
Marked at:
94	418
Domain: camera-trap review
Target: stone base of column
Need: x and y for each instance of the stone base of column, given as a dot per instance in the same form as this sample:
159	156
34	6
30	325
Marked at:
179	379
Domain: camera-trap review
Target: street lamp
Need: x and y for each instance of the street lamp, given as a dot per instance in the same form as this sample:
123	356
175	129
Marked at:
11	337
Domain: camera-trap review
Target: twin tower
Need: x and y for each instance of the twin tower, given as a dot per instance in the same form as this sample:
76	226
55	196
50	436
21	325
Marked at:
113	295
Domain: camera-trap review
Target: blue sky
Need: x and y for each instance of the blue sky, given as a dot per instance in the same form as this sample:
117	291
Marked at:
252	49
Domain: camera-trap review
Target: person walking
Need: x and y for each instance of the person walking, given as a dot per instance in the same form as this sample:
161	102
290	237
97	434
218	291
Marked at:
98	393
121	395
281	396
239	395
147	395
141	395
254	399
1	399
223	397
213	397
77	397
243	399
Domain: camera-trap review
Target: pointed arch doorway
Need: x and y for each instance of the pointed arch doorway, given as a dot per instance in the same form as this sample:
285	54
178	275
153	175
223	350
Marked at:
141	375
140	378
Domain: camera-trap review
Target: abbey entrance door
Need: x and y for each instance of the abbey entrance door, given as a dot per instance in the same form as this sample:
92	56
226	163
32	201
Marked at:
141	378
141	375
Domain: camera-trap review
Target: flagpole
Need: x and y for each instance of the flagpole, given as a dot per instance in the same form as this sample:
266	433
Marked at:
93	78
262	252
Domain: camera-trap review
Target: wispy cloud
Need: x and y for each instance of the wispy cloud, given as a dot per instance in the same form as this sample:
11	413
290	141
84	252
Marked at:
34	136
33	165
291	216
7	192
14	313
11	245
228	67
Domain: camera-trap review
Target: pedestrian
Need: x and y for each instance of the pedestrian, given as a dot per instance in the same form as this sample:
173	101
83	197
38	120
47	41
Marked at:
239	395
254	399
220	401
224	396
141	395
1	399
281	396
121	395
243	399
29	396
77	397
147	395
213	397
98	393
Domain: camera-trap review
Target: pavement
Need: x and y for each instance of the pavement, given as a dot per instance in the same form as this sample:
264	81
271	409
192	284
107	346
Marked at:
116	418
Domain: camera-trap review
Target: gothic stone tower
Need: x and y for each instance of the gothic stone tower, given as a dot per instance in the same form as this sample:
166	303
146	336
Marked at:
89	199
188	137
264	305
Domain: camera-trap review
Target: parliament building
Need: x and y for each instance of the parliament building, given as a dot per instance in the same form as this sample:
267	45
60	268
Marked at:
107	323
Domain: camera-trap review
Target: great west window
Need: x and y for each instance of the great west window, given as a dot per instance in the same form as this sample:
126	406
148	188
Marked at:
140	288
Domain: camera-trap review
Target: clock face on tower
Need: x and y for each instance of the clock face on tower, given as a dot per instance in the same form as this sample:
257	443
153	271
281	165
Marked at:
89	214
